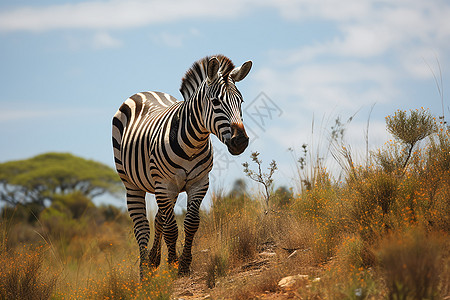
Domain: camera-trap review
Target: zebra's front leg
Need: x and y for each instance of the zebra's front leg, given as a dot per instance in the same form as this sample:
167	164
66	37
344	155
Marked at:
166	224
195	193
137	211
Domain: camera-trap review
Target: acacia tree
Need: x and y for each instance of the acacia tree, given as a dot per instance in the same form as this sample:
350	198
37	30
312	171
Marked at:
39	179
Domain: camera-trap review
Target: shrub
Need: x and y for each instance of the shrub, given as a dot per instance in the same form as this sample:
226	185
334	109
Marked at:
159	286
77	203
259	176
411	128
392	158
348	275
282	198
21	213
321	208
243	238
351	253
22	275
217	266
116	285
410	264
436	181
58	223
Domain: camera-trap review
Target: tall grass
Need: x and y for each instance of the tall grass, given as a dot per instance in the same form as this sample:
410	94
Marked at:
411	264
24	276
381	230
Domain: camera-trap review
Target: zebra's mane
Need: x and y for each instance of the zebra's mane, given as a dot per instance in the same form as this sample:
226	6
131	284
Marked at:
197	74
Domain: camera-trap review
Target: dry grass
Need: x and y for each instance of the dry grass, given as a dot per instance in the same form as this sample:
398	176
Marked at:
251	286
411	264
23	275
217	266
380	232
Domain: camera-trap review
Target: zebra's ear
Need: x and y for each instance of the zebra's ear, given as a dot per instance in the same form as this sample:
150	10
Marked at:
241	72
213	69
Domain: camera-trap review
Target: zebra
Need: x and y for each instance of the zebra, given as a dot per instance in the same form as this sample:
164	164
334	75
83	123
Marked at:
162	146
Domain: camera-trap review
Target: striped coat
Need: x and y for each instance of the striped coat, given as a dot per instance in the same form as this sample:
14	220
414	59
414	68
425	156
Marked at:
162	146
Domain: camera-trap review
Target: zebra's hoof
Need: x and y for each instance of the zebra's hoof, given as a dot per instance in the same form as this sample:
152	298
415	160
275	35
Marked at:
183	272
183	269
172	260
184	265
154	259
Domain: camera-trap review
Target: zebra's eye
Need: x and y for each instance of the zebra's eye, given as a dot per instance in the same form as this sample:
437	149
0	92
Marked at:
215	101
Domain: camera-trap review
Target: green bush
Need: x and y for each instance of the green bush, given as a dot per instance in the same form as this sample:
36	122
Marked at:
27	213
77	203
69	216
58	223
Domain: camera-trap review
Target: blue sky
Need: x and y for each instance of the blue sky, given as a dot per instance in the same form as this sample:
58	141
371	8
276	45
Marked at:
66	66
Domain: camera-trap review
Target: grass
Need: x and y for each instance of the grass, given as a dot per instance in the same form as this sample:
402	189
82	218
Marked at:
23	275
411	264
380	231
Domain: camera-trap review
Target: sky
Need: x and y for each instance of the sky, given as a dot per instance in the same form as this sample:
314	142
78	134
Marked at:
66	67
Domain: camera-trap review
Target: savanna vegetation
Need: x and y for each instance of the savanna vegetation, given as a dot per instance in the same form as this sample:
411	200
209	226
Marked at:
379	229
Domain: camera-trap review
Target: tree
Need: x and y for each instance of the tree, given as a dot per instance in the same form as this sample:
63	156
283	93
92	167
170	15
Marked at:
259	176
239	188
39	179
410	128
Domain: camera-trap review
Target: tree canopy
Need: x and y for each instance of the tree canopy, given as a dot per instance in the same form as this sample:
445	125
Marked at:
40	178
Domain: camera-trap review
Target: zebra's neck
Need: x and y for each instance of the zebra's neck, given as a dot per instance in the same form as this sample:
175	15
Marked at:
192	134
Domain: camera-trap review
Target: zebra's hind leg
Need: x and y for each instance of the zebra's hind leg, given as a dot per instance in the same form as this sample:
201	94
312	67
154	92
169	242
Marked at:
137	211
195	193
154	255
171	236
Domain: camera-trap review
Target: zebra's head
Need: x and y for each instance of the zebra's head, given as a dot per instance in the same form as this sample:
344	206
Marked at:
223	116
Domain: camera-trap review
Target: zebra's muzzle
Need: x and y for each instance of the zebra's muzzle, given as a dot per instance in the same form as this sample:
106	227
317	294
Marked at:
239	139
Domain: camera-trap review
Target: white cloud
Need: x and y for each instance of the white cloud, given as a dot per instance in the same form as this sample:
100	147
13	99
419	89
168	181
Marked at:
364	41
96	41
174	40
324	9
350	70
317	92
369	31
364	28
103	40
321	87
93	15
109	14
168	39
26	114
367	60
342	71
133	13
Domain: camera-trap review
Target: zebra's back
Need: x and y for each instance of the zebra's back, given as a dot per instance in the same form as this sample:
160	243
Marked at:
137	118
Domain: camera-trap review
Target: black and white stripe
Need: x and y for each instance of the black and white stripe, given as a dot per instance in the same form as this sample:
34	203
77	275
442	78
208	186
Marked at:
162	146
